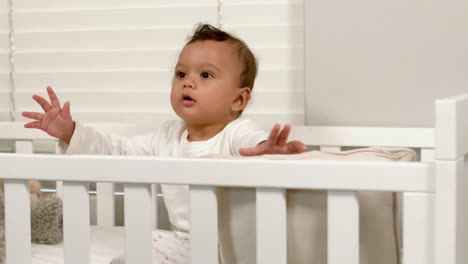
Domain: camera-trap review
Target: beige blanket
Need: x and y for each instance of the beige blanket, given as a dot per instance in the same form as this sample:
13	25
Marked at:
307	216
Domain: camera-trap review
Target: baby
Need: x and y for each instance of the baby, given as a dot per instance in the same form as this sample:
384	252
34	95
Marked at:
212	85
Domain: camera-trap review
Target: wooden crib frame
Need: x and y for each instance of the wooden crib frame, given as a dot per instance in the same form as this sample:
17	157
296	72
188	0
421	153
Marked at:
434	194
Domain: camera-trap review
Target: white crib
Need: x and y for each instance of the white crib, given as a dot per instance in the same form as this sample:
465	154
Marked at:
433	191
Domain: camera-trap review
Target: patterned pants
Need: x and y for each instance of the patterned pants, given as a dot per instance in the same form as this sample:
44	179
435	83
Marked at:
169	247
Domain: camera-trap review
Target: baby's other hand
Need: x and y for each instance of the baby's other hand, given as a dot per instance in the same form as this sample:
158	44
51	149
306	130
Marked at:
55	121
276	144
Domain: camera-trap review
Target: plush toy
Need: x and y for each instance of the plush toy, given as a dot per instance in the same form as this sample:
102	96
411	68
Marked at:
46	220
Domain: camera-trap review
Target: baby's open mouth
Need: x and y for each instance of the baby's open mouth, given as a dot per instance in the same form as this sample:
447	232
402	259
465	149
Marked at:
187	98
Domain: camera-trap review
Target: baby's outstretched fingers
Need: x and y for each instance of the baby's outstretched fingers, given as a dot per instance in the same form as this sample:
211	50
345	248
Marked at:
251	151
283	136
42	102
33	115
274	134
35	124
296	147
66	110
53	98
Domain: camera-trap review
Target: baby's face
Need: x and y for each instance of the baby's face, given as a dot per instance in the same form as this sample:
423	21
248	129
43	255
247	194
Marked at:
206	83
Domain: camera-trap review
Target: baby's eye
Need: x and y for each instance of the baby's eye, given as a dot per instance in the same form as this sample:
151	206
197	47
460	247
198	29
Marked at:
206	75
180	74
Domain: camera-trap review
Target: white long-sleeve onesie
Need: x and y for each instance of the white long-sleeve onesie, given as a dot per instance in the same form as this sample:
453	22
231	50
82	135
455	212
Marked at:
169	140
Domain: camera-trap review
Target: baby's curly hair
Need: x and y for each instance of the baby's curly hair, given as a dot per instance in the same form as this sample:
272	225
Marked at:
247	58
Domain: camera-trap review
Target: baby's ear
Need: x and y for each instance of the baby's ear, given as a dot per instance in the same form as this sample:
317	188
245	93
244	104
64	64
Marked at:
242	99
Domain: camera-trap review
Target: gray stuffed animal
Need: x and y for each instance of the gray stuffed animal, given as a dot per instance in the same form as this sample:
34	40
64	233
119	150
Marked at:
46	221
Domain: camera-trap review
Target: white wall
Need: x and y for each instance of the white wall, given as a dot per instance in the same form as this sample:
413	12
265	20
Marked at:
382	62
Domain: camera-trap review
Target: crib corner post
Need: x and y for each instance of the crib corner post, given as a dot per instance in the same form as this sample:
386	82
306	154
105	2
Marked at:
451	182
451	212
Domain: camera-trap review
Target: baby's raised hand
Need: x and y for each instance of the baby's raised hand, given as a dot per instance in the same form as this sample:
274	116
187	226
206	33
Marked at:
55	121
276	144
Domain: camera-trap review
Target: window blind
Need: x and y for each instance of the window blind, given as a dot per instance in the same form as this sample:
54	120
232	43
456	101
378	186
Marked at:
5	84
114	59
274	30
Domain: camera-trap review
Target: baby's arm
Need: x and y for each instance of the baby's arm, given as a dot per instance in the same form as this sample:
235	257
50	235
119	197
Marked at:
77	139
88	140
277	143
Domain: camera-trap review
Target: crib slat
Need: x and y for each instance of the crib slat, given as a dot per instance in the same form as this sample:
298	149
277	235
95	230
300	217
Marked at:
24	147
445	229
271	226
138	223
343	227
203	225
154	205
105	204
76	232
17	222
59	188
462	210
427	155
417	228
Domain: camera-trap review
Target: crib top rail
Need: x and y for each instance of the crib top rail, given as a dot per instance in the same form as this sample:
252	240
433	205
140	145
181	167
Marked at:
254	173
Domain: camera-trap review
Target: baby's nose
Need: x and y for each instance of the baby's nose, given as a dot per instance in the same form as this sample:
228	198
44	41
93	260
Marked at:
188	83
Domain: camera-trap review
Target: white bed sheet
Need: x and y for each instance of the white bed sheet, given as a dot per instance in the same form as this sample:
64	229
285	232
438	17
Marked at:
106	243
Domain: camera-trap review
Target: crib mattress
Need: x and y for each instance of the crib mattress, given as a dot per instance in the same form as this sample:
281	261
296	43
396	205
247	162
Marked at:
106	243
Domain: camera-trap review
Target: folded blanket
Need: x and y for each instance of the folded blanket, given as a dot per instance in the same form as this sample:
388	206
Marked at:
373	153
307	216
